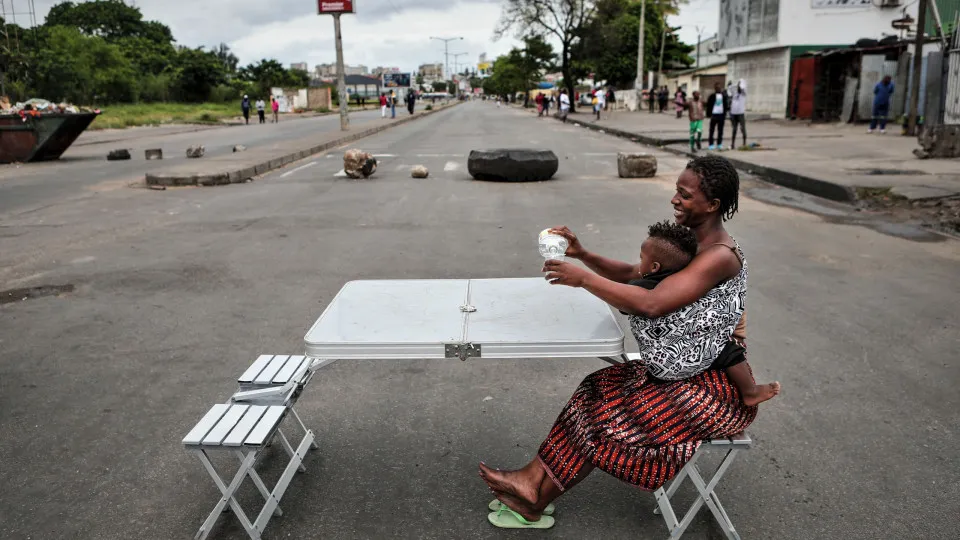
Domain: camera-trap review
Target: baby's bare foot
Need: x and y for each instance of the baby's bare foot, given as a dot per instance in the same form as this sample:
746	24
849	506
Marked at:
761	393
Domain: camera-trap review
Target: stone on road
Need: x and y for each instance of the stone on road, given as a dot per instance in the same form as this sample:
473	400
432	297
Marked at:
176	293
512	165
636	165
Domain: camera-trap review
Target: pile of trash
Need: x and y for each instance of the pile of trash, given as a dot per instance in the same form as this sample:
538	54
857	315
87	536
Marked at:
40	106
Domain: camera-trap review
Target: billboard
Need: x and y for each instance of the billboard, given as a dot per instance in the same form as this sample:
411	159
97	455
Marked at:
327	7
396	80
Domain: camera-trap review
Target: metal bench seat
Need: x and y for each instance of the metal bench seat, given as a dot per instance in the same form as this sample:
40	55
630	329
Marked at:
245	431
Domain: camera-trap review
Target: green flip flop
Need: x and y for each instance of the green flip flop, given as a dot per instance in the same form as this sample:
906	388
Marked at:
505	518
496	504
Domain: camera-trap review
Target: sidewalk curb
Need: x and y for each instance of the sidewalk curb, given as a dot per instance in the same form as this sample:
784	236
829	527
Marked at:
236	175
798	182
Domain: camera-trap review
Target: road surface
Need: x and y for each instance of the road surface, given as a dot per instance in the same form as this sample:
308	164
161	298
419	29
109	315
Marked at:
176	292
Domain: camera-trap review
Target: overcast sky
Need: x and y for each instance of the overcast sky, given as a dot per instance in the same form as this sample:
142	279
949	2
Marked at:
382	32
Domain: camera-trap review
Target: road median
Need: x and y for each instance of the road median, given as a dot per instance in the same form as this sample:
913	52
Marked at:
242	166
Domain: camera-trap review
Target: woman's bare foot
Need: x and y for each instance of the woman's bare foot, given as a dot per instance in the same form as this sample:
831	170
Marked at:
517	489
760	393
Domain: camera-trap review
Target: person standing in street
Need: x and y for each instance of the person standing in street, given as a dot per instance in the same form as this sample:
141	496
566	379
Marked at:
695	113
564	105
651	100
738	111
411	101
882	93
599	101
260	110
245	107
680	100
275	105
610	98
539	101
393	104
717	104
662	97
383	105
546	105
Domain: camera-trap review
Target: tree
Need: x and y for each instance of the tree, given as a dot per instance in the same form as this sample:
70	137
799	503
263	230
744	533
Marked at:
228	60
109	19
563	19
419	79
83	69
608	47
520	69
197	73
267	74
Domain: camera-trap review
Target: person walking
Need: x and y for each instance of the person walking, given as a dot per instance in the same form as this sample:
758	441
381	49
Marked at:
393	104
539	101
718	104
275	105
245	107
610	98
564	105
546	105
383	105
411	101
651	100
260	109
599	101
662	97
695	113
738	111
882	93
680	100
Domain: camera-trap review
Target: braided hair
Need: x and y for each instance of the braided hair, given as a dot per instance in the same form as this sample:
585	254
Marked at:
718	180
677	244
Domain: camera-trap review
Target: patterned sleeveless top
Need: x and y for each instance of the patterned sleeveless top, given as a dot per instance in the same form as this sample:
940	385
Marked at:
684	343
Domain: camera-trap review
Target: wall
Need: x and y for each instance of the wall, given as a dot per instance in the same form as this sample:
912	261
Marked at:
746	23
319	97
767	75
857	19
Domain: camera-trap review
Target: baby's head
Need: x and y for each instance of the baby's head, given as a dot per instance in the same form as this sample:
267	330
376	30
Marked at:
669	247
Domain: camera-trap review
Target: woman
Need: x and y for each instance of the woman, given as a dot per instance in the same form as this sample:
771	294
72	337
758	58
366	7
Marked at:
680	101
621	420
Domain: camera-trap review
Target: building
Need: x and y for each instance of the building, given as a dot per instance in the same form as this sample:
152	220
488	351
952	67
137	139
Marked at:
431	72
329	71
762	37
302	66
708	53
380	70
362	85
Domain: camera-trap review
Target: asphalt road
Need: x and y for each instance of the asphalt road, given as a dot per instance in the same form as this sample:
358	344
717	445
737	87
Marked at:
83	167
177	292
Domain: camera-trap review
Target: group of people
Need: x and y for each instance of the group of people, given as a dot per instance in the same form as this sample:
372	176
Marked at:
642	421
719	104
391	103
659	97
261	109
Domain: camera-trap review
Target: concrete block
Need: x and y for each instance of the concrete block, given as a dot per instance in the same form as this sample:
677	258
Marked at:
118	155
636	165
153	153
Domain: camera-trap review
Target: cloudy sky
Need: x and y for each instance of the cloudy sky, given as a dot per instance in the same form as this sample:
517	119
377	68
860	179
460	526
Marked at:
382	32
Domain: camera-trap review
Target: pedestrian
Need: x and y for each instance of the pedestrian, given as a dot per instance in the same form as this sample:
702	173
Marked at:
411	101
611	97
882	93
546	105
245	107
564	105
260	108
662	97
498	102
680	100
651	99
718	104
275	105
539	101
738	111
695	113
393	104
599	100
383	105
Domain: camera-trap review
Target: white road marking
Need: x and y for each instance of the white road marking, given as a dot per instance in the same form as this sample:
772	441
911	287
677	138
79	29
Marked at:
300	168
384	155
451	166
341	173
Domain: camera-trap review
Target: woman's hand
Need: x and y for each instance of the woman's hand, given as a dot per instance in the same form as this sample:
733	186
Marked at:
564	273
575	249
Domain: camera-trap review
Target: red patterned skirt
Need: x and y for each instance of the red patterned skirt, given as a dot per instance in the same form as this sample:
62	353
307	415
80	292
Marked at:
639	429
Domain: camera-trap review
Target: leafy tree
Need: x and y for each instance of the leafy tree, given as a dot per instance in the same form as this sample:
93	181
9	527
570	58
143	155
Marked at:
267	74
198	72
520	69
228	60
419	79
109	19
83	69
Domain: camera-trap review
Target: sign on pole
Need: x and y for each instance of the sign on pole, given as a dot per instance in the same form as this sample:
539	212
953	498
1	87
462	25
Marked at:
396	80
329	7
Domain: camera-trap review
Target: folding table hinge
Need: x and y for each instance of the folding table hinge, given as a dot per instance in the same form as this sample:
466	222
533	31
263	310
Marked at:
461	350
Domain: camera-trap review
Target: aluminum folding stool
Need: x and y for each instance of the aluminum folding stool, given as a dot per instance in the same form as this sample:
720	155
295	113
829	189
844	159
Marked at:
245	431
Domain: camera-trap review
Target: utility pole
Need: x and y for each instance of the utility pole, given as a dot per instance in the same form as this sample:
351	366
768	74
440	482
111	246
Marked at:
446	53
663	40
917	69
638	84
456	70
699	34
341	80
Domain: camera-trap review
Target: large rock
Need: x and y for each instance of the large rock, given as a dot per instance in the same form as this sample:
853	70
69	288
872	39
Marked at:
419	171
118	155
357	163
153	153
631	165
196	151
512	165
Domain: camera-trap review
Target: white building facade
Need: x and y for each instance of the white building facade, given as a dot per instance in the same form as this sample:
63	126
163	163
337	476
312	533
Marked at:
762	37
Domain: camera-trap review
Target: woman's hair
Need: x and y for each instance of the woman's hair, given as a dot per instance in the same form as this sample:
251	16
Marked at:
718	180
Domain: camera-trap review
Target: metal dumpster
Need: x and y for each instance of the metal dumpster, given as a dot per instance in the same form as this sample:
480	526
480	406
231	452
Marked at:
40	138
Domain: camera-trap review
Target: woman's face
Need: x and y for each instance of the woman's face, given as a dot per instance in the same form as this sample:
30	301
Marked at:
690	205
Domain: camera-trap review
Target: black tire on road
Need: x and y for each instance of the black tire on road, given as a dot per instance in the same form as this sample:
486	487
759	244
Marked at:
512	165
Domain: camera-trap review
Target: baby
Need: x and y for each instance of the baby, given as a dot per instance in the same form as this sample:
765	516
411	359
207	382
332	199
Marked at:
668	249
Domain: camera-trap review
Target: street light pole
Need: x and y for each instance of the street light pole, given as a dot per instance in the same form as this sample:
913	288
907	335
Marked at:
446	53
638	84
341	80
